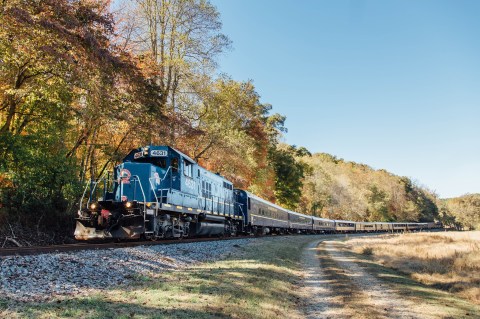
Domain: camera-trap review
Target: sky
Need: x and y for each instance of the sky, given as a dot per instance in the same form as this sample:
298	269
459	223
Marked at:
391	84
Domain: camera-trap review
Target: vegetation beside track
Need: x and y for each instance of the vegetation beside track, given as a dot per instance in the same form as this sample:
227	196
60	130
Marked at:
446	260
356	278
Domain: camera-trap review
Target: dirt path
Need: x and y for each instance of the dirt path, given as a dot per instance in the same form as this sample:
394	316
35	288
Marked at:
319	299
338	286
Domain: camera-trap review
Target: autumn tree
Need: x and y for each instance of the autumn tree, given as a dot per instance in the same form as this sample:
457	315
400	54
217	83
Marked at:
60	79
234	132
445	216
465	210
377	205
177	43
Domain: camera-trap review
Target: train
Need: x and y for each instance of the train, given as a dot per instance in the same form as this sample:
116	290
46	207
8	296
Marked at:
159	192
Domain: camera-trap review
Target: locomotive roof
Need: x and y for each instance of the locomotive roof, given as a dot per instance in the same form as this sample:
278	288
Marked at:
183	155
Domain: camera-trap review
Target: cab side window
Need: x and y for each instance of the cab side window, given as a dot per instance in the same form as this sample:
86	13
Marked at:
187	169
174	164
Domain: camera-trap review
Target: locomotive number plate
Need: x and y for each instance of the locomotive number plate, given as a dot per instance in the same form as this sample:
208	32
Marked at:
158	153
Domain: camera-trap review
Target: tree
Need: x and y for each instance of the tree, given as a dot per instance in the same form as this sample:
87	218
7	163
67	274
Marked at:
177	40
377	209
233	133
289	174
466	210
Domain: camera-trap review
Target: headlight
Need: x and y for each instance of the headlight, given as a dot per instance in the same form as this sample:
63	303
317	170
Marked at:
128	204
93	206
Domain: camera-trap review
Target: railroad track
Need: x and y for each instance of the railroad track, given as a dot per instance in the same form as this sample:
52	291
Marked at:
35	250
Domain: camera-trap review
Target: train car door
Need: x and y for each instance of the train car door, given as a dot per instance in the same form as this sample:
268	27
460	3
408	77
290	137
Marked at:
175	166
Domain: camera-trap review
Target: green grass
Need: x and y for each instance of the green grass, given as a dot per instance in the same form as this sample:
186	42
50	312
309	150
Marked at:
259	282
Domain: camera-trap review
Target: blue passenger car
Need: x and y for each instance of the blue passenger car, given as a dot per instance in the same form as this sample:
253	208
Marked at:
261	216
300	222
323	225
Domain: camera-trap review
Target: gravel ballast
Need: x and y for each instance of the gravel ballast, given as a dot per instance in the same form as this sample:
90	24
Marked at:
47	276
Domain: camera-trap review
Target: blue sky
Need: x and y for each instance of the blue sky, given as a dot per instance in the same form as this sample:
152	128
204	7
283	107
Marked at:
392	84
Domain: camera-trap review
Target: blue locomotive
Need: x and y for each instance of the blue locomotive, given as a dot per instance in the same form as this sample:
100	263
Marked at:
159	192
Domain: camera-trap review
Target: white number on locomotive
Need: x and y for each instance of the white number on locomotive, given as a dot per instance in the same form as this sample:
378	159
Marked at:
158	153
190	183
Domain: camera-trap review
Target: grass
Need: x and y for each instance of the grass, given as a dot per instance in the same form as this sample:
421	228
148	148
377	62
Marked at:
260	282
449	261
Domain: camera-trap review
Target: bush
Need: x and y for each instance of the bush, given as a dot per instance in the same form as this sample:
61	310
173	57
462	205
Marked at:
368	251
38	183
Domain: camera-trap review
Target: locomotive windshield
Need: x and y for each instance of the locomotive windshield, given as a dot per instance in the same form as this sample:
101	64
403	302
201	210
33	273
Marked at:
160	162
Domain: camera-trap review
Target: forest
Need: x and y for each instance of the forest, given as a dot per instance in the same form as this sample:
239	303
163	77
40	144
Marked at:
83	82
461	212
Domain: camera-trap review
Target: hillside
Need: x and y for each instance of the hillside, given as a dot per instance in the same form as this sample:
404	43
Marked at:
336	188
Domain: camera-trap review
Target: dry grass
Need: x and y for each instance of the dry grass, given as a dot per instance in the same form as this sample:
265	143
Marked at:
450	261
